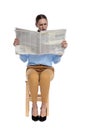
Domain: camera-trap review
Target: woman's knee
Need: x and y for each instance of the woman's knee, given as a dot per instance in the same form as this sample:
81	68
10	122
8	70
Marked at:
32	75
47	74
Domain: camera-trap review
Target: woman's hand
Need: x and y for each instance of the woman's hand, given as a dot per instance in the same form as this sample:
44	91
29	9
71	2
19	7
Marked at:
64	44
16	42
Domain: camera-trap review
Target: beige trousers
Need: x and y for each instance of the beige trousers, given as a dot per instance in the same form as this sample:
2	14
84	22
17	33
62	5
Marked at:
39	75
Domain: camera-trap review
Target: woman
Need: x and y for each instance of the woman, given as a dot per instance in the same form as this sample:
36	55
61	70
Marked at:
40	72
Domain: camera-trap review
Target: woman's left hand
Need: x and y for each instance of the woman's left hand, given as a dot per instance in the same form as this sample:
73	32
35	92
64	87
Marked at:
64	44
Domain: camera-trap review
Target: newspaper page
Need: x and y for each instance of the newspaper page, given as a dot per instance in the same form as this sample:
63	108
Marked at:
44	42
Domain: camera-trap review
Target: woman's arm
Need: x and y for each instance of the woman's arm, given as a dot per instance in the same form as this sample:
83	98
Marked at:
24	57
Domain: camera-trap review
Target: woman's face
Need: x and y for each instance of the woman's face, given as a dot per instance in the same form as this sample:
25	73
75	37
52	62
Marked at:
42	24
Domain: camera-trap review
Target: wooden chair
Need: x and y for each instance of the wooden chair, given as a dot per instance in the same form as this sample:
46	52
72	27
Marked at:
29	98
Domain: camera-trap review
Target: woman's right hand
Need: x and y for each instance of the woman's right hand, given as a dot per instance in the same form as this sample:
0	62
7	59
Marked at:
16	42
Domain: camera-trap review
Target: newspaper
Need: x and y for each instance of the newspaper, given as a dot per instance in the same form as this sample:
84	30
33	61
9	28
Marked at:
44	42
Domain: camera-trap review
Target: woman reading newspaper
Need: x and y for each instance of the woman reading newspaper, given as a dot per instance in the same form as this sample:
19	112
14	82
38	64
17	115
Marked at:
40	72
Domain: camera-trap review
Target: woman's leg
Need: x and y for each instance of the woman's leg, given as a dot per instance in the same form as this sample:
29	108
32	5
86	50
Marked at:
45	77
33	79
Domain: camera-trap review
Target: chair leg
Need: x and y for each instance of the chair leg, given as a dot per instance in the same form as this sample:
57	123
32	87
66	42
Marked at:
27	107
48	106
27	99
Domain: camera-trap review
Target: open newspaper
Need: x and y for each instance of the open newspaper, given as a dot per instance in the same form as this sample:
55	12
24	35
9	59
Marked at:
44	42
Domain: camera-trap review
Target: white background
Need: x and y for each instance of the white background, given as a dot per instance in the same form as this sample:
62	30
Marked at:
68	93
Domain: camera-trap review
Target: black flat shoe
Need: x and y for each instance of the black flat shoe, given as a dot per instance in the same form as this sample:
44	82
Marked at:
35	118
42	118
